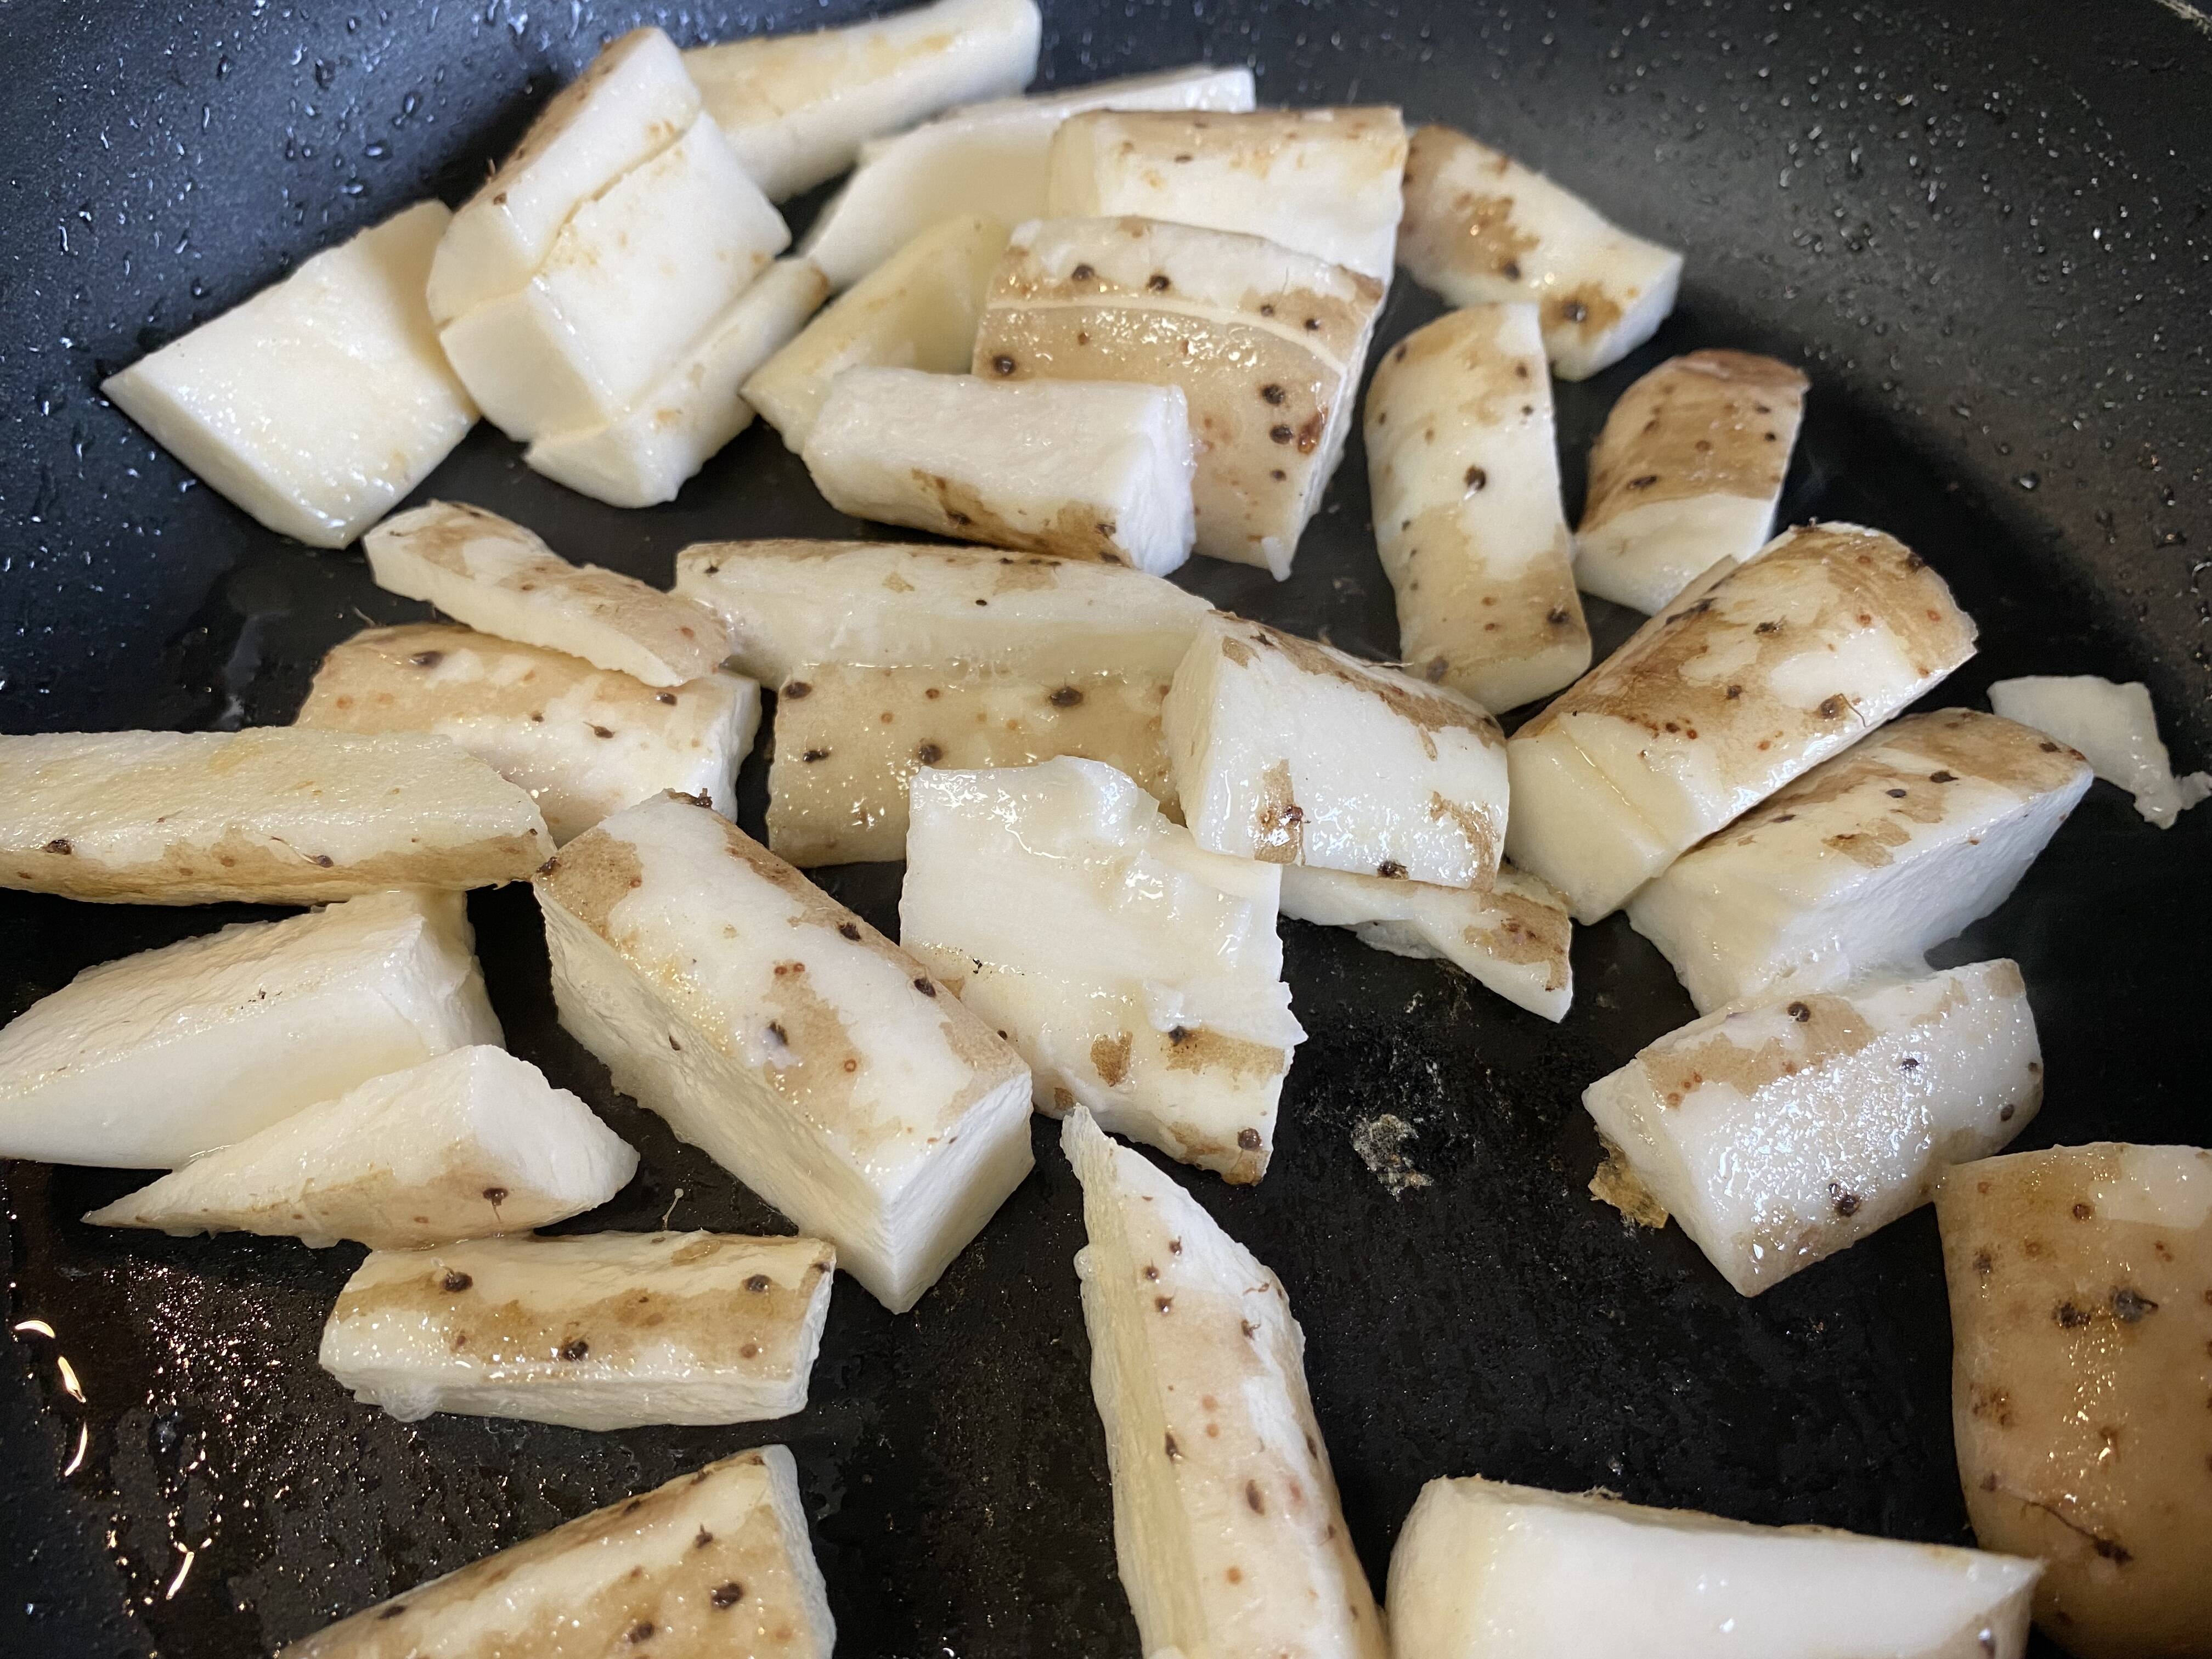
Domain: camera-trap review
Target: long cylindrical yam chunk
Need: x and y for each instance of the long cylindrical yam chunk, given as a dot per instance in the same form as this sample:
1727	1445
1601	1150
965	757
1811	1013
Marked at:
1779	1135
1226	1523
151	1060
1486	1571
800	1049
600	1331
712	1565
1086	469
1465	476
1864	863
1754	676
473	1143
1140	976
1266	345
1292	752
2081	1283
271	816
1479	228
1686	474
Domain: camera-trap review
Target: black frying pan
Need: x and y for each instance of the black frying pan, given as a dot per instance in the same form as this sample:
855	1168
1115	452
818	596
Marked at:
1984	230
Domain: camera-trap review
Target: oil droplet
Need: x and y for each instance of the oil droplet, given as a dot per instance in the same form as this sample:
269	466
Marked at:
2029	480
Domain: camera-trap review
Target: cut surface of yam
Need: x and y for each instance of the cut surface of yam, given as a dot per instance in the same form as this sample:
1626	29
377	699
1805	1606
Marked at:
320	402
1292	752
1464	471
644	457
1516	1572
498	577
151	1060
1779	1135
917	310
713	1563
271	816
2115	730
1479	228
988	158
1266	345
2080	1327
1086	469
473	1143
1755	674
1687	473
798	107
1865	862
1323	182
801	1050
850	740
1226	1524
600	1330
1511	936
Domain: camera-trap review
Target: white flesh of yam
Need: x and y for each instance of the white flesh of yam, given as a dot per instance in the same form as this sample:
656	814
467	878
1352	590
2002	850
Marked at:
318	402
2115	729
1140	976
600	1331
714	1565
1226	1524
1779	1135
1464	471
1292	752
1266	345
805	1054
798	107
1686	474
1480	228
1865	862
1486	1571
1086	469
149	1062
1752	677
473	1143
498	577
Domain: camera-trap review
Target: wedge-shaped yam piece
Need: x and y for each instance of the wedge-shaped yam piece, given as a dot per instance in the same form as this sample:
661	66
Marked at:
904	604
604	1331
1226	1524
148	1062
1479	228
1266	345
1484	1569
1085	469
2080	1326
1465	476
320	401
1324	182
712	1565
988	158
804	1052
917	310
1140	976
628	106
1686	474
271	816
473	1143
630	284
850	740
1754	676
1511	936
1865	862
644	457
1295	753
2115	728
798	107
497	577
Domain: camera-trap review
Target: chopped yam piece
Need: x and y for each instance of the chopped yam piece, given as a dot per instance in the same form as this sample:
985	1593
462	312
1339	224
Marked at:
2115	729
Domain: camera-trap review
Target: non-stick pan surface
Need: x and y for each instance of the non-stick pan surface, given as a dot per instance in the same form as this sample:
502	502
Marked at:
1983	228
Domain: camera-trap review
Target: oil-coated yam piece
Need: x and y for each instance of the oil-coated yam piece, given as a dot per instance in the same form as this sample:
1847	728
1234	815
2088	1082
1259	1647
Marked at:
1463	469
2115	728
1266	345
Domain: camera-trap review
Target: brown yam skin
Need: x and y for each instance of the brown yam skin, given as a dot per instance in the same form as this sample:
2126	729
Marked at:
1710	423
